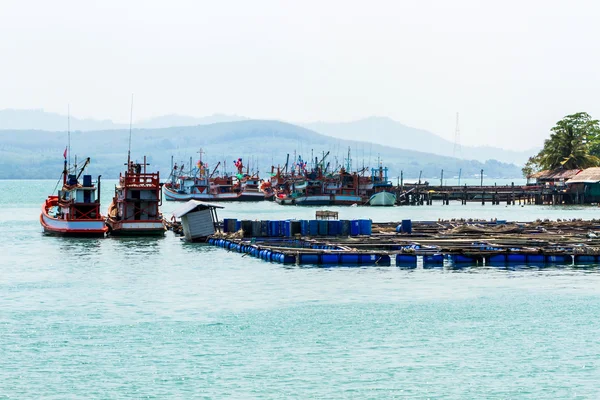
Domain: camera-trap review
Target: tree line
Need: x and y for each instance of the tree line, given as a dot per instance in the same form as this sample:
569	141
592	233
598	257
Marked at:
573	144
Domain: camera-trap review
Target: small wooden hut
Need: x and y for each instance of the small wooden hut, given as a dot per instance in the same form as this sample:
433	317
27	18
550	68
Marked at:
198	219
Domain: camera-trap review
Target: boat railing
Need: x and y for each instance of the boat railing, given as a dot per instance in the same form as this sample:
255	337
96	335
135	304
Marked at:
141	180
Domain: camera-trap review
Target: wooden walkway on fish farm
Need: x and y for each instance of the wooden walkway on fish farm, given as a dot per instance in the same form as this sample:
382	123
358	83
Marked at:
434	242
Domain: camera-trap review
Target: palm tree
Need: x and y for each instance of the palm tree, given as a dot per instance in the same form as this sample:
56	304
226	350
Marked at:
568	146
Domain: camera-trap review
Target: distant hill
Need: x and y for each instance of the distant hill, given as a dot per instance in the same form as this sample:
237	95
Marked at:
167	121
43	120
385	131
38	154
379	130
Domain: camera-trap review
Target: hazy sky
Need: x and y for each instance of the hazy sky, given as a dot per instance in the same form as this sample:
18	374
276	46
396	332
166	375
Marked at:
511	68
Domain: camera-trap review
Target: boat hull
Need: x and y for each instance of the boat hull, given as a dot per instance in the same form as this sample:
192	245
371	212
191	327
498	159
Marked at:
383	199
136	228
87	228
171	195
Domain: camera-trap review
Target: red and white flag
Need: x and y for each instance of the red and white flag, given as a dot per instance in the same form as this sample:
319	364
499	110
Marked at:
65	153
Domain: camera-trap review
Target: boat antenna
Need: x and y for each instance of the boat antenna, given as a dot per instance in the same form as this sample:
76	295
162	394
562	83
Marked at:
69	134
130	123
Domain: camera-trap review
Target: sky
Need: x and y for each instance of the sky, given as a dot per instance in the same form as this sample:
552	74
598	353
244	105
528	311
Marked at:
511	68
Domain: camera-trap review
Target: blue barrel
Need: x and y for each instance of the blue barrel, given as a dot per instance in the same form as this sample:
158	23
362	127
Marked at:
536	259
462	259
288	259
323	228
497	259
238	225
406	259
225	225
349	259
584	259
286	228
304	227
558	259
516	258
384	259
433	259
354	227
406	226
333	228
365	226
313	227
330	258
309	259
87	181
368	259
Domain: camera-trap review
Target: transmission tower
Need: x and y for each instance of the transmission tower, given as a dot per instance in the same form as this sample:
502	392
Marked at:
457	150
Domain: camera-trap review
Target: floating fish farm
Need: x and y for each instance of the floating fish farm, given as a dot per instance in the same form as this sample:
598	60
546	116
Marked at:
412	243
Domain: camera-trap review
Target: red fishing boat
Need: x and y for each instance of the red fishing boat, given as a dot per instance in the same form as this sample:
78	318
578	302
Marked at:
135	210
75	211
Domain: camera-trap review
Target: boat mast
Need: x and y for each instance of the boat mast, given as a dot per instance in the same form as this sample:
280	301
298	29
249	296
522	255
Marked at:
69	133
130	123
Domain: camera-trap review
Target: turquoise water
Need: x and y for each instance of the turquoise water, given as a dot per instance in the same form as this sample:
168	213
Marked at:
158	318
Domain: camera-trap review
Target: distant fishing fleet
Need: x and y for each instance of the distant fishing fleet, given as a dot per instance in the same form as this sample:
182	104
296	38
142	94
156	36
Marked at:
135	208
74	210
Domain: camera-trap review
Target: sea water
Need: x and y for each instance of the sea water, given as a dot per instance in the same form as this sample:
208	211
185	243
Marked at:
160	318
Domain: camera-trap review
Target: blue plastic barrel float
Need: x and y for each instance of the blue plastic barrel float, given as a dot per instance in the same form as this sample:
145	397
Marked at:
286	228
496	259
462	259
330	258
333	228
536	259
309	258
225	225
585	259
354	227
406	260
558	259
349	259
516	258
433	259
304	227
368	259
323	228
383	259
313	227
406	226
365	226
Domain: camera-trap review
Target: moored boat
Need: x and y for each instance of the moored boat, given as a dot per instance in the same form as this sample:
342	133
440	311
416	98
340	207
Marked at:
135	208
383	189
75	211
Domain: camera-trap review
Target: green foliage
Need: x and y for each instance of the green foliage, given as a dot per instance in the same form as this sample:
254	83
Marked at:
573	144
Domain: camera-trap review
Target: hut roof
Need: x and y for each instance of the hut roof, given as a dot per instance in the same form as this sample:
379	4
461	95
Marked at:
191	206
556	174
589	175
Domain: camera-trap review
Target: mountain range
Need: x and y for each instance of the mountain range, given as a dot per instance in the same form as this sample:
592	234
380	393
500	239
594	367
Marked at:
260	143
377	130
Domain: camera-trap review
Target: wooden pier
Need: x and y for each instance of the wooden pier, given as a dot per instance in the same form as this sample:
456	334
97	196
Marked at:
493	195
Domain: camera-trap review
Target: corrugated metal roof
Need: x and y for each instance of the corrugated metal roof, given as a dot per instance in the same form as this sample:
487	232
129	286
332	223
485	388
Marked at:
589	175
556	174
191	206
